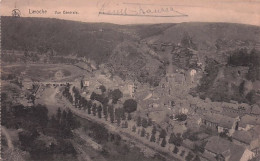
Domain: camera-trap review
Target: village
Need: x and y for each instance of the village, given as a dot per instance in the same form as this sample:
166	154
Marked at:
170	100
194	128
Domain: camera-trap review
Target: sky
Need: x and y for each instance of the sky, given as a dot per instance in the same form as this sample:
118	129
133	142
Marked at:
140	11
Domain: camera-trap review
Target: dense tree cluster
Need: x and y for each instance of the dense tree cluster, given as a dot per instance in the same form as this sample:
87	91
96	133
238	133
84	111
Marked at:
100	98
66	93
115	95
181	117
8	58
35	122
175	139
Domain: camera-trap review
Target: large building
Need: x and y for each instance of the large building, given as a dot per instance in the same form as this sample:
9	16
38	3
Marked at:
220	123
249	139
221	149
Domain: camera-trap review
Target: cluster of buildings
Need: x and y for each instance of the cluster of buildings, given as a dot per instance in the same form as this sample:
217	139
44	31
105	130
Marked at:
238	124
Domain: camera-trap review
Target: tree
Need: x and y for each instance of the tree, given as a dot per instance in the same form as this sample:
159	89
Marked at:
154	130
118	120
105	111
197	158
162	134
117	116
150	123
89	104
94	109
70	120
139	121
104	101
163	144
117	139
102	88
93	96
99	109
126	124
81	84
143	132
241	87
58	115
175	150
134	128
130	105
123	115
177	140
144	123
251	97
189	156
64	119
111	114
182	153
152	139
116	95
129	117
3	115
181	117
171	139
199	148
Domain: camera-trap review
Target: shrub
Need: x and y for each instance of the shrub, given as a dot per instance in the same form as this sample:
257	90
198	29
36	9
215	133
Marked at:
130	105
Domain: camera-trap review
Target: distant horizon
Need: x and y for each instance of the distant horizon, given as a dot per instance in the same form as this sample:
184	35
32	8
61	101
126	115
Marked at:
133	24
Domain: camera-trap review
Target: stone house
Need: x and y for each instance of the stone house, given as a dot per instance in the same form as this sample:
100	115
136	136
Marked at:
221	149
247	122
249	139
219	122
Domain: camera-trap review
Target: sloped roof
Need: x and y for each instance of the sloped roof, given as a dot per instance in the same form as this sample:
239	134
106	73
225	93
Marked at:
248	119
221	120
217	145
255	110
236	152
224	147
245	136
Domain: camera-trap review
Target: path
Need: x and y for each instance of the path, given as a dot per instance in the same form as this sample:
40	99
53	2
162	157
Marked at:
8	138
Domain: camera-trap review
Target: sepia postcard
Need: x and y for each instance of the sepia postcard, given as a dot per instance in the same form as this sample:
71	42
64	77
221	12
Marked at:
121	80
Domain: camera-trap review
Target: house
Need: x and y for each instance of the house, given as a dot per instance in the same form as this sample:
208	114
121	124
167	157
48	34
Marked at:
153	105
255	110
131	89
222	149
219	122
235	109
233	112
183	110
248	121
27	83
188	143
86	83
179	78
59	74
249	139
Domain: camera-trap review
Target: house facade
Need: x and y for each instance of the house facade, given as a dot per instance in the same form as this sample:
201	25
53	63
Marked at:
219	123
225	150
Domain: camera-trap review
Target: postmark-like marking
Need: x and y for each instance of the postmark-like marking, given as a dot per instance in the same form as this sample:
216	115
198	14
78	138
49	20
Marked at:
16	13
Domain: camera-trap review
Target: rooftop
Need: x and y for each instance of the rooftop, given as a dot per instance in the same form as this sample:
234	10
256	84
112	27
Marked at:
224	147
245	136
248	119
221	120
